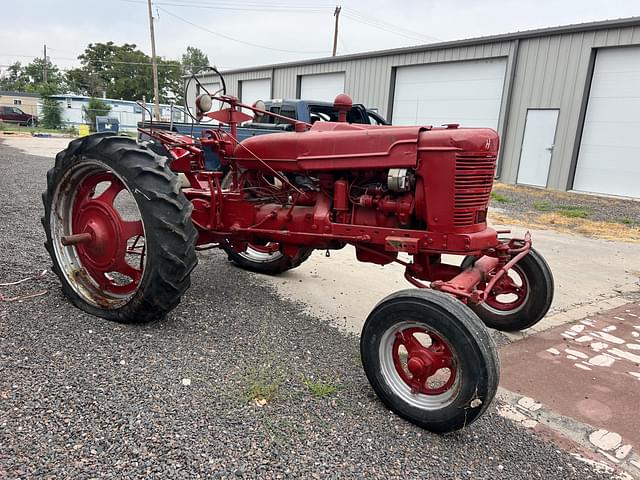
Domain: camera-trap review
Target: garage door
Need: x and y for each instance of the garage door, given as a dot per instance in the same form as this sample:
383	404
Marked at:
608	159
324	87
468	93
253	90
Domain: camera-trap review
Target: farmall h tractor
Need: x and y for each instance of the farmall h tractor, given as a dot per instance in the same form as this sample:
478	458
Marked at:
123	225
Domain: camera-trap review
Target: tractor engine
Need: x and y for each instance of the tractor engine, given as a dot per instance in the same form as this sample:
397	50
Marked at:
415	178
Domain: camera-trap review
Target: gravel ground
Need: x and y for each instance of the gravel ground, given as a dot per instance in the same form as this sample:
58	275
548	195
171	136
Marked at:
522	201
84	398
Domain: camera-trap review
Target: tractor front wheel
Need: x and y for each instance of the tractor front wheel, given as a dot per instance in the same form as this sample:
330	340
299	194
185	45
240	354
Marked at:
430	359
521	298
118	229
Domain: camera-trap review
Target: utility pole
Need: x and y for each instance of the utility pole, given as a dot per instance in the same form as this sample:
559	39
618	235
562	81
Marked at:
44	66
154	65
336	14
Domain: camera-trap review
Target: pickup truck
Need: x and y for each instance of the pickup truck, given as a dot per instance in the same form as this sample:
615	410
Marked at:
308	111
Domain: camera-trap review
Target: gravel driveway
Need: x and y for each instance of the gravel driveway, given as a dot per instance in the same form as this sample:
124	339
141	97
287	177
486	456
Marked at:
84	398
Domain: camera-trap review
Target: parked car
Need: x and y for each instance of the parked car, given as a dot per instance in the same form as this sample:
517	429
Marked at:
15	115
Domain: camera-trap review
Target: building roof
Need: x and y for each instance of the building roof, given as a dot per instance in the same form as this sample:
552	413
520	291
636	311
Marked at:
540	32
18	94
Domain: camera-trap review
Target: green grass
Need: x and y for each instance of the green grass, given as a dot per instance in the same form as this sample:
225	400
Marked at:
319	389
500	198
573	212
542	206
624	221
570	211
262	390
5	127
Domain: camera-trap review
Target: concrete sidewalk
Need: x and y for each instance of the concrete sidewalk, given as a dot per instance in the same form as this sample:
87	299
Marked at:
588	372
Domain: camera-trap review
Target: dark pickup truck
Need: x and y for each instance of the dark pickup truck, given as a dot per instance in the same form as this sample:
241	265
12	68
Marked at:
308	111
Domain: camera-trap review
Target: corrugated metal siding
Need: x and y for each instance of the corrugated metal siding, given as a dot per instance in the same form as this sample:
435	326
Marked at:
552	72
368	80
230	79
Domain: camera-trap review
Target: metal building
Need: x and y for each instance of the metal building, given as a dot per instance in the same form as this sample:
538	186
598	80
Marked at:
565	100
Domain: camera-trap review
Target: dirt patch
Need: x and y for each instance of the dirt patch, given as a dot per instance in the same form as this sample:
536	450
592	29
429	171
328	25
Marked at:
595	216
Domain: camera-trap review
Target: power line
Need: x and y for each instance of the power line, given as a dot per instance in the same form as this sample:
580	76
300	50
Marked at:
386	26
167	64
217	34
261	7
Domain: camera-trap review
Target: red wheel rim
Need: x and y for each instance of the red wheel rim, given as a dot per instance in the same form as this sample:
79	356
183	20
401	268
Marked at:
506	287
426	362
106	253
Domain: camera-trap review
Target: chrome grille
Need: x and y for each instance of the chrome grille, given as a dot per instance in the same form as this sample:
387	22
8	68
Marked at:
473	182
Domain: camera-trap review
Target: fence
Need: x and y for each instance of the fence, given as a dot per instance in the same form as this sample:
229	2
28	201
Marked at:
128	117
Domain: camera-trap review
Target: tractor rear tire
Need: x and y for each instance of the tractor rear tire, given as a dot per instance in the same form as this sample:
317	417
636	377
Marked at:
533	298
430	359
99	276
269	263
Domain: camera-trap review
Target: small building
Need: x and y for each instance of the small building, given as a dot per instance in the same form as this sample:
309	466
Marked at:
27	102
565	100
128	112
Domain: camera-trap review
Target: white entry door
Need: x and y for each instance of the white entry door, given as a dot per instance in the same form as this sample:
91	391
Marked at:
537	147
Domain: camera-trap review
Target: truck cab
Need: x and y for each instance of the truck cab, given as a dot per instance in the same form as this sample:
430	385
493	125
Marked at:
311	111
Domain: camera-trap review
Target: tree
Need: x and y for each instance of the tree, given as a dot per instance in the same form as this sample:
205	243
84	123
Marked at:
51	115
14	80
170	82
84	82
34	74
30	78
95	108
193	60
123	71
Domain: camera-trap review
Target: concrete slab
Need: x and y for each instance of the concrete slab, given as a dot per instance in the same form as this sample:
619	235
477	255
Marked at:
344	291
588	371
41	146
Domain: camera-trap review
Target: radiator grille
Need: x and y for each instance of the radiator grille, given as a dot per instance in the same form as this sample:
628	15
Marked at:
473	182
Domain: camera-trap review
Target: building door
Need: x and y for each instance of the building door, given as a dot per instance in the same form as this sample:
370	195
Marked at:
254	90
537	146
469	93
608	160
322	87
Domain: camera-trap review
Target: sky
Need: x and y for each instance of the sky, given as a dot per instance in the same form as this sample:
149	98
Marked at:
246	33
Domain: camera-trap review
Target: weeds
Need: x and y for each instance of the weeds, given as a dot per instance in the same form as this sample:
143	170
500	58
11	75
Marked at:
542	206
500	198
262	391
264	383
319	389
573	212
570	211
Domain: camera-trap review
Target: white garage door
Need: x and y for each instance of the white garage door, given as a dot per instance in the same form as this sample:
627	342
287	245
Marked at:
608	160
468	93
253	90
324	87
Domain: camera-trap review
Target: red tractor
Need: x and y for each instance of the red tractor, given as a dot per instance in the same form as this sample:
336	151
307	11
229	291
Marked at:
123	225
